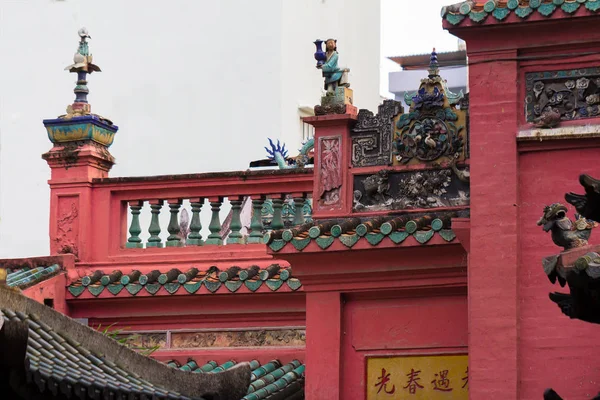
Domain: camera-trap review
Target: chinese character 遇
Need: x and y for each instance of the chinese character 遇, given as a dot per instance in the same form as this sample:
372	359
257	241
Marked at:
443	383
383	381
466	378
413	383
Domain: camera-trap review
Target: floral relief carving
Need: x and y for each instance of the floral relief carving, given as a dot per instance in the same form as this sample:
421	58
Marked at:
331	176
67	226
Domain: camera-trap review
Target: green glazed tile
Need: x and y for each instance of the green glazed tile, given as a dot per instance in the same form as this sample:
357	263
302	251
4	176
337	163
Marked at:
423	236
233	286
253	285
95	289
523	12
300	244
274	284
294	283
454	19
324	241
570	8
375	238
192	287
172	287
277	244
349	240
76	290
212	286
593	5
447	234
115	288
152	288
546	9
398	236
477	16
133	288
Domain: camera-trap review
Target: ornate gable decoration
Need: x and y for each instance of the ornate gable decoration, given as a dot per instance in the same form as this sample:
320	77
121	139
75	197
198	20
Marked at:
434	129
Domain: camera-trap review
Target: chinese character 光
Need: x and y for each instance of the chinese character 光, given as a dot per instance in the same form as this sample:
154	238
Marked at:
413	383
466	378
441	382
383	381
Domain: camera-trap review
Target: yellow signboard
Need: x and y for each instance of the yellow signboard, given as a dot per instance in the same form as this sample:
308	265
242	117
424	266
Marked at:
418	377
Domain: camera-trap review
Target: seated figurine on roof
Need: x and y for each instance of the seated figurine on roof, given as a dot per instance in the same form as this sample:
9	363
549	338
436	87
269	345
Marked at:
333	75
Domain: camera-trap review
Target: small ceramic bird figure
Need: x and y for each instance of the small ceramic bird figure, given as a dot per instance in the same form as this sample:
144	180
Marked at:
82	60
430	142
564	232
550	118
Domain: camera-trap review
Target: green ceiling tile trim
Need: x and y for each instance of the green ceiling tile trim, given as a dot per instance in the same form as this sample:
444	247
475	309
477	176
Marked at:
133	288
465	8
523	12
253	285
324	241
375	238
478	16
361	230
233	286
212	286
423	236
336	230
277	244
125	280
349	240
535	3
192	287
314	232
411	227
172	287
447	234
76	290
287	235
86	280
95	290
558	2
115	288
489	6
274	284
105	280
454	19
294	283
398	236
513	4
546	9
501	13
152	288
437	224
300	244
570	8
593	5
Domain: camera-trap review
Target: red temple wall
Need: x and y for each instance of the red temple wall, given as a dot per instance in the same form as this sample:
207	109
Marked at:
554	351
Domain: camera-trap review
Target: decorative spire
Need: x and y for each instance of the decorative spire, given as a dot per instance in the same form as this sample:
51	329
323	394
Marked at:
434	69
82	65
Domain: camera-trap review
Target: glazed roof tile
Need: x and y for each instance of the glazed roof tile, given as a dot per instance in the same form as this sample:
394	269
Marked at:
213	280
374	230
65	358
28	276
272	380
499	10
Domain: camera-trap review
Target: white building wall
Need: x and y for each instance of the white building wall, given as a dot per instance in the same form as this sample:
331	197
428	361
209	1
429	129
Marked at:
194	85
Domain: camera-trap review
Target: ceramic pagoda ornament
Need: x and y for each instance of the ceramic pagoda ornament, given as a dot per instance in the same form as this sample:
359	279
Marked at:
79	124
338	93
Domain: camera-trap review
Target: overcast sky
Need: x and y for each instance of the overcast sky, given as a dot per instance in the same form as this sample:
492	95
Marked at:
411	27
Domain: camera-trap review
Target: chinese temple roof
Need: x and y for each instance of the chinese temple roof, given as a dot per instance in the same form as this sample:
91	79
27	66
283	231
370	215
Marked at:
44	352
28	276
193	281
272	380
500	10
396	228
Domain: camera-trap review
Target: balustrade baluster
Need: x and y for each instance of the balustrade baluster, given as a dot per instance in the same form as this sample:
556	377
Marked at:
277	222
256	225
236	223
154	229
134	241
298	208
215	223
195	238
174	240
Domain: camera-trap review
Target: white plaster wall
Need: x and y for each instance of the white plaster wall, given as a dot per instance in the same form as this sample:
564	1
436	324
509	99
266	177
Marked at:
194	85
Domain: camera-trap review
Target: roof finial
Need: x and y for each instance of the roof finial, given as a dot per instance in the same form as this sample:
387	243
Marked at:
434	69
82	65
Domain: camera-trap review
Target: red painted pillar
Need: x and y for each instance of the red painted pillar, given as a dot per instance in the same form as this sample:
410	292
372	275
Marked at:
494	250
332	193
323	345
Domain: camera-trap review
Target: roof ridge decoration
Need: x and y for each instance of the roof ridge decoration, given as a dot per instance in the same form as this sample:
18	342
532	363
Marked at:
479	11
64	356
352	230
275	277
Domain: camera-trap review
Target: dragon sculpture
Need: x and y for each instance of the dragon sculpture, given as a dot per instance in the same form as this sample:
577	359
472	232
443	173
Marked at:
279	154
565	233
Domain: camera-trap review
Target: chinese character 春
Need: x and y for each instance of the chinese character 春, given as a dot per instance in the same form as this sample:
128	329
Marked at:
413	383
441	382
466	378
383	381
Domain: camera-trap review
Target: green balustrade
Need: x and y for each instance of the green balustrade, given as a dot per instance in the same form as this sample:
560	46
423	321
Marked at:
215	223
236	223
298	211
195	238
174	240
154	229
134	241
277	222
256	224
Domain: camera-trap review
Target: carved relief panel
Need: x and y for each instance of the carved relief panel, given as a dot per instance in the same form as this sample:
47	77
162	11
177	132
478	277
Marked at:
330	173
67	225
